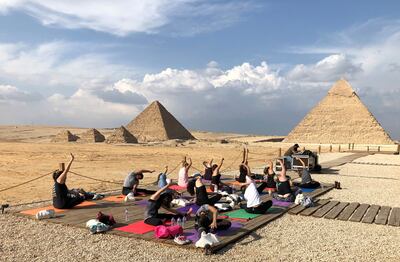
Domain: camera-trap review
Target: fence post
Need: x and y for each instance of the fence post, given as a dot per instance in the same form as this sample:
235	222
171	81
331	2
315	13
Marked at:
349	146
367	148
330	148
379	148
398	149
319	149
61	166
280	152
340	149
352	147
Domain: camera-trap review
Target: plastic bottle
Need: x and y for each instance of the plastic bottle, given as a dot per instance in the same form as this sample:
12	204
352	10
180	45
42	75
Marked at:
173	222
179	222
126	214
183	221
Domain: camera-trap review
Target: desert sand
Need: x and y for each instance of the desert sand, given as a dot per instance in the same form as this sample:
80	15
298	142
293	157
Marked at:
28	153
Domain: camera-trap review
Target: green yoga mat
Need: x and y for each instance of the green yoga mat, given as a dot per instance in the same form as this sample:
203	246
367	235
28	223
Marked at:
241	213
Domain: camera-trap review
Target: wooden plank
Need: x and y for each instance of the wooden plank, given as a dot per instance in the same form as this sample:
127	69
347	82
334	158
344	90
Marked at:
299	208
394	218
311	210
383	215
371	214
348	211
336	210
359	213
325	209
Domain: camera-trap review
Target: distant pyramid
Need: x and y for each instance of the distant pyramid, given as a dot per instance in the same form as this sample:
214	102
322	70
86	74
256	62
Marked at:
65	136
340	118
155	123
92	136
121	135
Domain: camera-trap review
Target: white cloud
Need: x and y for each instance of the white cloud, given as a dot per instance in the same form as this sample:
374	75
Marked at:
10	93
122	17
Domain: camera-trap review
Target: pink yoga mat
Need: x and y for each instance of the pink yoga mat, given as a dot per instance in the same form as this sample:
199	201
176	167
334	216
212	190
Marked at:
138	227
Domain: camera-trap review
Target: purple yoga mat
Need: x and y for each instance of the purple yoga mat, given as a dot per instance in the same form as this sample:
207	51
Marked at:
280	203
142	202
193	235
186	208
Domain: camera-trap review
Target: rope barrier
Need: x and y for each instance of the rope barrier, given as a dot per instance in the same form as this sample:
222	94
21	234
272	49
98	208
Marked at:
174	168
96	179
26	182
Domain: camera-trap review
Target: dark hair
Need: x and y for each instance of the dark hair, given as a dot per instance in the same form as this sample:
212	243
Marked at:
190	186
266	170
56	174
296	145
166	199
214	167
139	175
242	169
203	220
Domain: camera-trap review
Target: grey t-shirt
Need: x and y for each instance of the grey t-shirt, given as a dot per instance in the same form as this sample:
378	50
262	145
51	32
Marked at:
305	177
205	208
130	180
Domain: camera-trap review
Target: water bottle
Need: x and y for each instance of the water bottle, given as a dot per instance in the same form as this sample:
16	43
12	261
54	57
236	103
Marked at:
183	221
173	222
215	188
126	215
179	222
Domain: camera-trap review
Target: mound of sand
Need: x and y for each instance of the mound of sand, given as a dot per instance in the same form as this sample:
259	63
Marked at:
121	135
92	136
155	123
65	136
340	118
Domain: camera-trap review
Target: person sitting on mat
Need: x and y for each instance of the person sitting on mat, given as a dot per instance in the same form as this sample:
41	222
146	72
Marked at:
306	180
269	178
207	170
131	182
216	183
242	168
283	186
252	196
161	199
207	220
183	174
196	186
162	178
63	198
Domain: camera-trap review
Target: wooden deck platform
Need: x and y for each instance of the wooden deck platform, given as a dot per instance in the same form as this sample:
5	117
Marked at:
114	205
355	212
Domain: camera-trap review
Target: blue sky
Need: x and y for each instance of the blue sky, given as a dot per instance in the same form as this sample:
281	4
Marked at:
217	65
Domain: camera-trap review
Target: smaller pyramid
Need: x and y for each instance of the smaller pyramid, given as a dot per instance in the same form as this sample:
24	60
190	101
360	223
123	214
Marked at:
92	136
155	123
65	136
120	136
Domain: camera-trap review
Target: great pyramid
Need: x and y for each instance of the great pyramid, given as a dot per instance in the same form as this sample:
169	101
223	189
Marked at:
339	118
92	136
65	136
155	123
121	135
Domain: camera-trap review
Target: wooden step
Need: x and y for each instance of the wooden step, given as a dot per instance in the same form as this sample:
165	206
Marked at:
371	214
348	211
310	210
325	209
359	213
394	218
336	210
383	215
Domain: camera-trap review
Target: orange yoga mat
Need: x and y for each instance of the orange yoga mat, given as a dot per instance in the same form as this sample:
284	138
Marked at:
117	198
33	212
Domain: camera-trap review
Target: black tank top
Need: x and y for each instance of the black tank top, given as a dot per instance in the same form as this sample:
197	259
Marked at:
201	195
284	188
207	173
216	179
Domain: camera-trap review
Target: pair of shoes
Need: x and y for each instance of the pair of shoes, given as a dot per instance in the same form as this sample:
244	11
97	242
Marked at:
337	185
182	240
106	219
48	213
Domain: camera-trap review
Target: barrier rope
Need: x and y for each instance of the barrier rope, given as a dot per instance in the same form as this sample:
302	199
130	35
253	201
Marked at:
96	179
174	168
234	161
26	182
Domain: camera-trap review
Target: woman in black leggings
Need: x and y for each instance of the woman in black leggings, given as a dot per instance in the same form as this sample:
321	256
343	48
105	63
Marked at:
161	199
196	186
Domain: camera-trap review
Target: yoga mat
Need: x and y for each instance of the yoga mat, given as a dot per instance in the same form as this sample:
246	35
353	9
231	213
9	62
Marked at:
241	213
191	234
274	210
307	190
280	203
117	198
242	220
186	208
230	231
138	227
142	202
33	212
177	188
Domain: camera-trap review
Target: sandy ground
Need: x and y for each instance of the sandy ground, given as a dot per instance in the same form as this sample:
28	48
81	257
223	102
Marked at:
290	238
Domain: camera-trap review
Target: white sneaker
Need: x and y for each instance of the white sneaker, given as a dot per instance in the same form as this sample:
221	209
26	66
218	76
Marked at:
97	196
129	198
182	240
48	213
